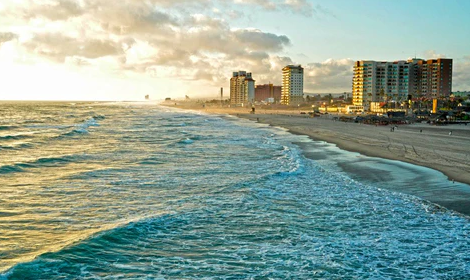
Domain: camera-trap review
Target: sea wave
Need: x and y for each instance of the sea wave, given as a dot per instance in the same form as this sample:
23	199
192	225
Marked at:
265	233
106	234
39	163
14	137
81	128
7	127
186	141
99	117
78	131
91	121
16	146
240	201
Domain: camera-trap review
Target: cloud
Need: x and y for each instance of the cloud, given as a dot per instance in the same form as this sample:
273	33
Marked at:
160	38
53	10
331	75
258	40
300	6
265	4
57	47
461	74
432	54
320	10
7	36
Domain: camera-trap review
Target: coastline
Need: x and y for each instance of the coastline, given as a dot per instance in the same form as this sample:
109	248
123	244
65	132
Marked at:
421	145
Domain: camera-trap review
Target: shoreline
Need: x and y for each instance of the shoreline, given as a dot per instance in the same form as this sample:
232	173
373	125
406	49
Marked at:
421	145
406	151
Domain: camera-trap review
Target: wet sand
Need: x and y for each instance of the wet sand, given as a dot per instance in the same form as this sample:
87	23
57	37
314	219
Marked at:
418	144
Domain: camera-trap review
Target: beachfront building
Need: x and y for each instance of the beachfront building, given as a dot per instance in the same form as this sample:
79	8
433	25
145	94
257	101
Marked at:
398	81
242	88
435	78
381	81
268	93
292	90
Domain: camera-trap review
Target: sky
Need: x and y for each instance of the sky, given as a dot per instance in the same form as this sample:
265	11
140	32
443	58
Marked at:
126	49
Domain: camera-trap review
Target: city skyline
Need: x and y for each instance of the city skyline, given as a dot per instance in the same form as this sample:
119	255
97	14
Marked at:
95	49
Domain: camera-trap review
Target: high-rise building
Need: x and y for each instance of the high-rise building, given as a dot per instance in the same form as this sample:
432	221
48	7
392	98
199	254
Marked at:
292	91
242	88
377	81
435	78
264	92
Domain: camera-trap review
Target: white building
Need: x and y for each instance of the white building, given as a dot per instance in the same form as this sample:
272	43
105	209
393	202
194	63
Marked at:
242	88
292	91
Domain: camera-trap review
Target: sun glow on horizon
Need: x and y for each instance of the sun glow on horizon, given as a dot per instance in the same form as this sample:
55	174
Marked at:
28	77
62	83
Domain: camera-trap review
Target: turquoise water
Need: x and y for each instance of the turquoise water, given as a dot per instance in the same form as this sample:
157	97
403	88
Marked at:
138	191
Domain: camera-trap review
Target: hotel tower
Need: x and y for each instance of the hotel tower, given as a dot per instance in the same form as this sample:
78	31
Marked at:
292	90
242	88
382	81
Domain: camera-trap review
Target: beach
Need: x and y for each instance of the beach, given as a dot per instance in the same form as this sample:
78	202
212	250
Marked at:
441	148
420	144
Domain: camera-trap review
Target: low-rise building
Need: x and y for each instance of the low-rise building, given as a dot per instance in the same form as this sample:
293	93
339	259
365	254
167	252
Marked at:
268	93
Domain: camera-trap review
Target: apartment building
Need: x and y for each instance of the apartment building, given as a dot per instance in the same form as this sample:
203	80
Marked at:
242	88
268	91
382	81
292	90
435	78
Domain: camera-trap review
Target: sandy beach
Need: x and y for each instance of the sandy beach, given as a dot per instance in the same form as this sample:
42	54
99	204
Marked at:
419	144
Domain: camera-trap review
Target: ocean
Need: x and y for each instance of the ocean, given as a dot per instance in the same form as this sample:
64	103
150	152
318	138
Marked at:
94	190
